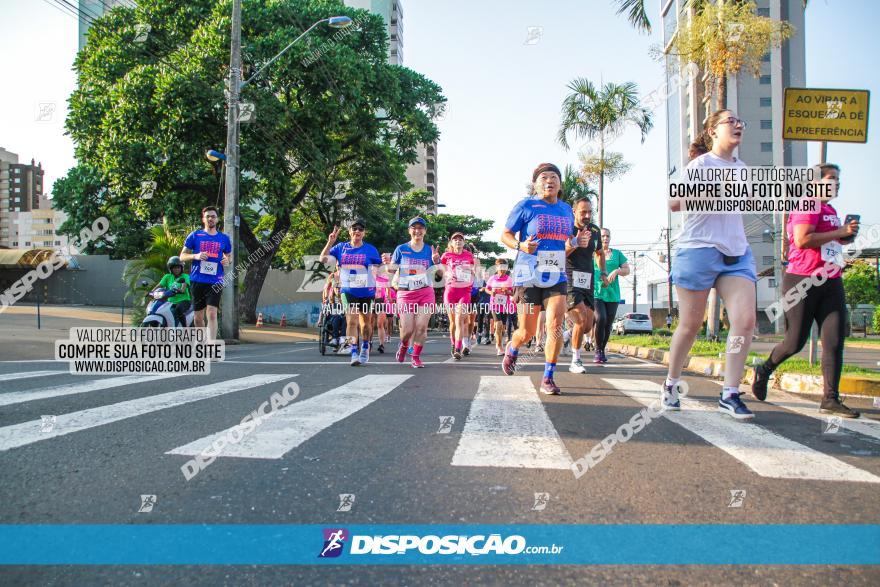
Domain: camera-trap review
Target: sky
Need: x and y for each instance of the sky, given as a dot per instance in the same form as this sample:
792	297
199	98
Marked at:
504	96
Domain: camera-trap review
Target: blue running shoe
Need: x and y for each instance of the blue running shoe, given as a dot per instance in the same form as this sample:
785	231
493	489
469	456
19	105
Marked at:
733	406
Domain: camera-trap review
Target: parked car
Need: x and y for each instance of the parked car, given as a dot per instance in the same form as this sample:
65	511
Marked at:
633	322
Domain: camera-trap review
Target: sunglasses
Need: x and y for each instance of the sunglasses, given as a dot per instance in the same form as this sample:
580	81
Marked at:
357	229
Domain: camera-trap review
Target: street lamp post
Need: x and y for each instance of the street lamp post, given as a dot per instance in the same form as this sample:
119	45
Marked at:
229	296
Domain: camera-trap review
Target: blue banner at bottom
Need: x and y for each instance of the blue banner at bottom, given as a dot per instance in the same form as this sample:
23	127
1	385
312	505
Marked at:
612	544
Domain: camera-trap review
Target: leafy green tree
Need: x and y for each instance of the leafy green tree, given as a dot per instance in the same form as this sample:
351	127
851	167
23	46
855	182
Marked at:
575	185
147	111
601	114
860	285
638	16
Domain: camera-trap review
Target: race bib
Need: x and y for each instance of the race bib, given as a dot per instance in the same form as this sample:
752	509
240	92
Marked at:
582	279
357	280
833	253
417	281
551	259
208	268
501	299
462	273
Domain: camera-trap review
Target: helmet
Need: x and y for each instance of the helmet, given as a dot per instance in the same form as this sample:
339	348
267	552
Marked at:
174	262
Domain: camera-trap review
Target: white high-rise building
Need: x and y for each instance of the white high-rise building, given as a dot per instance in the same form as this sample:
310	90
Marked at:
423	173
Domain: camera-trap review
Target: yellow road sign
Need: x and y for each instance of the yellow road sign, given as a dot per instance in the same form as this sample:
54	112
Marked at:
817	114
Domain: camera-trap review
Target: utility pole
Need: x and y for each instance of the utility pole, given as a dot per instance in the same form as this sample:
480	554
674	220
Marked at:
229	296
634	280
669	271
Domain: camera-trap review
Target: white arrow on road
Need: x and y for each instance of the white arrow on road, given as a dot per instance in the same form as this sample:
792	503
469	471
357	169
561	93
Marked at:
507	426
764	452
294	424
30	432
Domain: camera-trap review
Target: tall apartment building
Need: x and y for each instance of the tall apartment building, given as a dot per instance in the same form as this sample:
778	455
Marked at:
423	173
27	220
92	9
758	101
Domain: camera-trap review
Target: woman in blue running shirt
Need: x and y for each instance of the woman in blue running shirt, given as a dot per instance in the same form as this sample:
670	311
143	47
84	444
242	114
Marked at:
538	229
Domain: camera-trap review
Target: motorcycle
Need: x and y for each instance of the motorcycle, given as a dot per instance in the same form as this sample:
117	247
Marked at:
160	313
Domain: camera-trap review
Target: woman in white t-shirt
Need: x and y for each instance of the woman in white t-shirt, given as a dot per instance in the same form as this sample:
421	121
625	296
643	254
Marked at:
712	251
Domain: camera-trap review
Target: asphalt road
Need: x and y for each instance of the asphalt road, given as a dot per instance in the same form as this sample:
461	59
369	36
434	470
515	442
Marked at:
378	432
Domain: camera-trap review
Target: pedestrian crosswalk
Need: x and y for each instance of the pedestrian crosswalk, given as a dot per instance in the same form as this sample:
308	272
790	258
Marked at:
504	422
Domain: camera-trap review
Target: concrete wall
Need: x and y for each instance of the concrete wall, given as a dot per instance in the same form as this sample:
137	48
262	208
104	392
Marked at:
97	282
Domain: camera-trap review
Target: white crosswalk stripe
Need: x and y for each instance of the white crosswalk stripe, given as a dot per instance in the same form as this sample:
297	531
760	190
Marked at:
508	427
27	375
766	453
294	424
18	397
810	408
26	433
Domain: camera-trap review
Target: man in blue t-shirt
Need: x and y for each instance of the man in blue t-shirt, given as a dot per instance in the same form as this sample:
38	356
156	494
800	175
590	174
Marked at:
357	261
210	251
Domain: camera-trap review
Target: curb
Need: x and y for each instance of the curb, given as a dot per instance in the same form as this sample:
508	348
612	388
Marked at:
793	382
848	343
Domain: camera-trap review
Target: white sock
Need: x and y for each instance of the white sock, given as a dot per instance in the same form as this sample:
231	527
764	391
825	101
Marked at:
575	355
729	391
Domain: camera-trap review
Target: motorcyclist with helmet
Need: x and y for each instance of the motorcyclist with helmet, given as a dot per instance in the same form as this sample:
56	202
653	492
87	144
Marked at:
177	280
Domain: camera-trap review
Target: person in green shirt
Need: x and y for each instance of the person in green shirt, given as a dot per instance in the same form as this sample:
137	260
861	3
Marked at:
180	301
607	296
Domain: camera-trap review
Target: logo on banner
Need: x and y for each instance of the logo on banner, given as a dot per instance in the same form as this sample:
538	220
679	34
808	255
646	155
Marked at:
334	540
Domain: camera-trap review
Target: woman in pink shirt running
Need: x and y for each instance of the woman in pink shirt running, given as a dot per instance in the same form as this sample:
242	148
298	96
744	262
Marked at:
458	264
814	292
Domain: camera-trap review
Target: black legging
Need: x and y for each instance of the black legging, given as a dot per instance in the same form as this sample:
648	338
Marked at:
826	304
605	314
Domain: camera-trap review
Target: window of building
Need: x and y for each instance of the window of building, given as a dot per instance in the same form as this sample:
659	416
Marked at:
763	12
768	259
766	124
765	80
765	58
766	102
17	180
771	282
766	147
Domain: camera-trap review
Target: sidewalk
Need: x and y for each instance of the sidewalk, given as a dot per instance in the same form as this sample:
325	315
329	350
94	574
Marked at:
793	382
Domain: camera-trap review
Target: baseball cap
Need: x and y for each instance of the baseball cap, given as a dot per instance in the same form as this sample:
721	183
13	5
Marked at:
358	222
417	220
455	234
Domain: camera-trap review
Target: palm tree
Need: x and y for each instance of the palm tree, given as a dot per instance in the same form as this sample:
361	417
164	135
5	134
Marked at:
165	242
575	186
593	114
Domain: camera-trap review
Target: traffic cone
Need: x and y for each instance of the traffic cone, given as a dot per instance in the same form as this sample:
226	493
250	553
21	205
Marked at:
283	320
260	320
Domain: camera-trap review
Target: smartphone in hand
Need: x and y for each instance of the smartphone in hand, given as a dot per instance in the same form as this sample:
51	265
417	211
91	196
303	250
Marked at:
849	218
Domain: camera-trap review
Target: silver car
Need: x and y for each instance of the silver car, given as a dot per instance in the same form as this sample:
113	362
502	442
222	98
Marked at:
633	322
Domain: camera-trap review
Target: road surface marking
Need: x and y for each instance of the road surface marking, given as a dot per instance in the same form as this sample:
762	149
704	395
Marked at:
27	375
30	432
507	426
18	397
296	423
766	453
808	408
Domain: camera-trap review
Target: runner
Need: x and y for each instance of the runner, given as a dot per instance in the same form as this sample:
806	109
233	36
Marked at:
579	272
500	288
607	294
458	265
538	228
484	315
815	248
356	260
214	253
712	250
383	324
415	293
